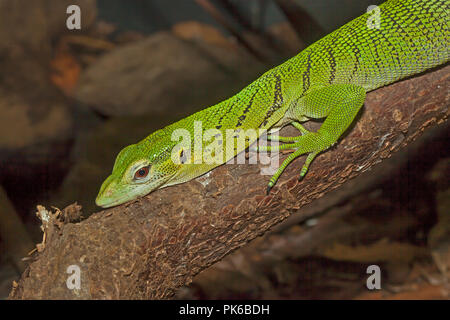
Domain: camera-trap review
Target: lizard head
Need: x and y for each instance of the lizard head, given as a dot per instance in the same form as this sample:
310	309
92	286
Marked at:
139	169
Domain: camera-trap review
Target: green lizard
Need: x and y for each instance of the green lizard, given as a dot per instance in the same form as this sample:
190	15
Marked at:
329	79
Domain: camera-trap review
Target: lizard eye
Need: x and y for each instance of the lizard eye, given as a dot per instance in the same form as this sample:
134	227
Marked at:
141	173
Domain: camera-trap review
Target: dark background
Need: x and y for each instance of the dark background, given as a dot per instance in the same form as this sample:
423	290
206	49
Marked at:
71	100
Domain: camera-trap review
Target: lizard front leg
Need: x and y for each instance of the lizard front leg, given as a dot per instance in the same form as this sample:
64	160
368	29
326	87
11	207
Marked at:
338	104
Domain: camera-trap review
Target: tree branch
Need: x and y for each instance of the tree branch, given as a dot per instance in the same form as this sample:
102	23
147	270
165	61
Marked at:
148	248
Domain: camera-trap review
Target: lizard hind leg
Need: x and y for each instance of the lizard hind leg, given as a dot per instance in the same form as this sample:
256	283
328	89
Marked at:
339	104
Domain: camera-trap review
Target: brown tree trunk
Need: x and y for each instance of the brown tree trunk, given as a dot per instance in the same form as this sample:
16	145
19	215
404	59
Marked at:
148	248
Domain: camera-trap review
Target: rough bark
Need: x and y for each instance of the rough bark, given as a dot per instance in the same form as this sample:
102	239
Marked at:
148	248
